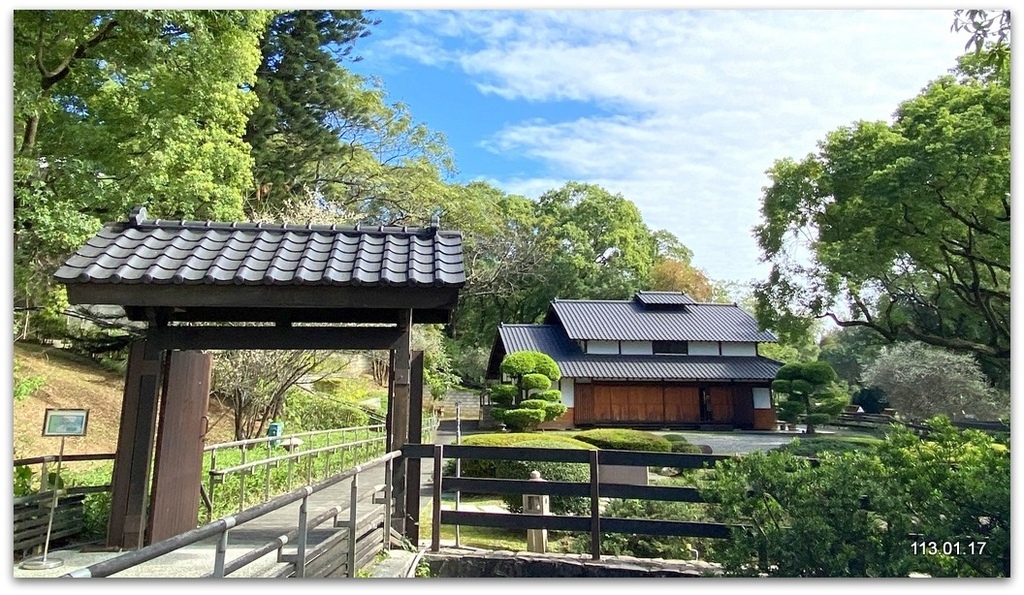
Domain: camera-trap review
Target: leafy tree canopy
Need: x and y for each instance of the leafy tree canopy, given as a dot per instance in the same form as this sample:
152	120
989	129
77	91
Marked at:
907	224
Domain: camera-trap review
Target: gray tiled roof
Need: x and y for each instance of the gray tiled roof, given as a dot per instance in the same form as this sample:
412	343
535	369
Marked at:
572	362
163	252
629	320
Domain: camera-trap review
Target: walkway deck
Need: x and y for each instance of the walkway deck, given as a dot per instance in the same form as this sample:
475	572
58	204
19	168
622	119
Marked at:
197	560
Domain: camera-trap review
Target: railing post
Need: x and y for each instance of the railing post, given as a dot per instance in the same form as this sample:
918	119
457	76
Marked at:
352	499
458	465
300	561
220	555
595	507
435	533
536	539
388	468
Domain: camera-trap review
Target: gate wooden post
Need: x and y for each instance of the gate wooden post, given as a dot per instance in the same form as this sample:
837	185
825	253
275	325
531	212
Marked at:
126	528
413	466
399	409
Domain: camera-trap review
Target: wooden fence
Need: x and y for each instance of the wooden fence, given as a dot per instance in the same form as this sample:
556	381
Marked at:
595	489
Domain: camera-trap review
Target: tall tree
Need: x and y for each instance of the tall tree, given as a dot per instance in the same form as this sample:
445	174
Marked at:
907	223
305	98
921	381
114	109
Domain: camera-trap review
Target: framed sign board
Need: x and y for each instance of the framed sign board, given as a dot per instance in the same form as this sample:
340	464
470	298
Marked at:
65	422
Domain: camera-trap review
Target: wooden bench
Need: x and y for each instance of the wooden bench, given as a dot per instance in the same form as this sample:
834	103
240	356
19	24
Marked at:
32	518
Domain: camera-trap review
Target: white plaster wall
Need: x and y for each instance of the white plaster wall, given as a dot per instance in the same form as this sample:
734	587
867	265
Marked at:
604	347
703	348
762	398
566	385
739	349
637	348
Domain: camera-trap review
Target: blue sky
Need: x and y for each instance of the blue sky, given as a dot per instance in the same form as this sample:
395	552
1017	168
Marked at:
680	111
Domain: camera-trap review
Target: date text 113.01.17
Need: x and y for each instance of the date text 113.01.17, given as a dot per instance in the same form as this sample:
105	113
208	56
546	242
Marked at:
948	548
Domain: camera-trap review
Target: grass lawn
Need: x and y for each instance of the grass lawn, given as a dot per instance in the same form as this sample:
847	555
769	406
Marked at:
480	537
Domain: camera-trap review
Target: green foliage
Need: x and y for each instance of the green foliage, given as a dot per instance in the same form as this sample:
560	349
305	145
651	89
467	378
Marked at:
519	363
551	396
486	468
648	546
503	394
887	209
523	420
616	439
673	438
575	472
26	386
530	371
24	481
535	382
921	381
685	447
118	108
813	446
811	393
307	412
852	513
553	411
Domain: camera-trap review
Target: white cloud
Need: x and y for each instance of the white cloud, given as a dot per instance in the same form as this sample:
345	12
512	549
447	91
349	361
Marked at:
695	105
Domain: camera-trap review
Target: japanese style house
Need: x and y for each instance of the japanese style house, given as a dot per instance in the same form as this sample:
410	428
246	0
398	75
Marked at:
659	360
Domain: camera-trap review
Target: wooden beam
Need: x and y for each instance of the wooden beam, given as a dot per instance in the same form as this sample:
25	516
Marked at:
265	337
264	296
293	315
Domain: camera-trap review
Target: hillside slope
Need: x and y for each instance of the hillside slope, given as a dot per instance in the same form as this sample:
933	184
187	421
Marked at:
74	382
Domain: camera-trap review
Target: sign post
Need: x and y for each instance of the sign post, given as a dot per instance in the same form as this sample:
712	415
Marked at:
63	423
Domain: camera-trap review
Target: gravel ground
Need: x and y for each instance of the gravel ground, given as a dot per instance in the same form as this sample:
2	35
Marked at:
730	443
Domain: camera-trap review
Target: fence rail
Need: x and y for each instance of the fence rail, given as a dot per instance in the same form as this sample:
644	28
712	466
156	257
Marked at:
595	489
296	562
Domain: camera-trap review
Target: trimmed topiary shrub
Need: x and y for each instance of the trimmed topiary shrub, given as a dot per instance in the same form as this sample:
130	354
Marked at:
533	404
519	420
552	396
485	468
551	471
674	437
623	439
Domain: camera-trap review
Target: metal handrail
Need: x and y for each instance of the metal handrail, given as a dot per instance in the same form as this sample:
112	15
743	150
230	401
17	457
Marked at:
222	526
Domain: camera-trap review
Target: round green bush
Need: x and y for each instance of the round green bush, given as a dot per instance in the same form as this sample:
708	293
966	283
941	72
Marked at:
519	420
551	471
503	394
536	382
553	396
622	439
553	411
674	437
533	404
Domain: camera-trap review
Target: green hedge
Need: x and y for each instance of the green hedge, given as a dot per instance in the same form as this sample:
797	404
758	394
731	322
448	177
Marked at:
616	439
551	471
485	468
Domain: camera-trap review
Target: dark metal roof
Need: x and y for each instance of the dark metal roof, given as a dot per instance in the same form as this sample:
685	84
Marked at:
201	253
547	338
572	362
630	320
664	298
669	367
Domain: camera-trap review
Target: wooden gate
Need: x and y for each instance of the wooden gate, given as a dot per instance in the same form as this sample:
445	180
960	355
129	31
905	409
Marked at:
178	467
